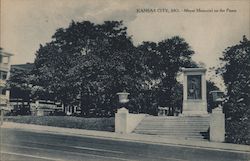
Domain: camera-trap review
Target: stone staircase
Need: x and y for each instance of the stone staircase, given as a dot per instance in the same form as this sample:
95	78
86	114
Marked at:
182	127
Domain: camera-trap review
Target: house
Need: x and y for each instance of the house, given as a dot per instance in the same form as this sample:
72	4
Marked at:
4	74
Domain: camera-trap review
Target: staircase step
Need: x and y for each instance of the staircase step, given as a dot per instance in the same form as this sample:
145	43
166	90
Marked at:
171	132
176	121
159	121
175	127
176	118
176	124
171	129
181	136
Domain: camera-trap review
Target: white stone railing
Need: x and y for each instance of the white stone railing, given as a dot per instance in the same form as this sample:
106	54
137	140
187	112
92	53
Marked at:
125	122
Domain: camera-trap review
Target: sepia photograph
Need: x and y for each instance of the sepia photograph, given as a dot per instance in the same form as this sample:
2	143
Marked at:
124	80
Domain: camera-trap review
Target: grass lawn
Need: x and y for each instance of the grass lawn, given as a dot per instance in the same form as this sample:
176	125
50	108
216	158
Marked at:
100	124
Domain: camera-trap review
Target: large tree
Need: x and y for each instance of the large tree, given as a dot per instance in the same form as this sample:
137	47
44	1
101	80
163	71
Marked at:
86	64
90	62
236	75
164	61
19	83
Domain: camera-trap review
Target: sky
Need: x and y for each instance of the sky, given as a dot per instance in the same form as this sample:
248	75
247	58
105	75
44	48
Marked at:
25	24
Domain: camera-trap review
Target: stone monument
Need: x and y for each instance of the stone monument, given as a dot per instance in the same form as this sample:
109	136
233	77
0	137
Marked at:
194	92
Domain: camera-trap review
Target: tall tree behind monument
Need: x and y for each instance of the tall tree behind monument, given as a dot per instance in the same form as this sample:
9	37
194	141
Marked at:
236	75
164	60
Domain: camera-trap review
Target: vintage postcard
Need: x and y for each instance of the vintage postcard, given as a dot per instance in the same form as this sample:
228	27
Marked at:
94	80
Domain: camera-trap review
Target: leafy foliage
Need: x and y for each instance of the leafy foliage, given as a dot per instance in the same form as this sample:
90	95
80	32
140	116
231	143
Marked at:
236	75
19	84
163	61
86	64
22	84
210	103
100	124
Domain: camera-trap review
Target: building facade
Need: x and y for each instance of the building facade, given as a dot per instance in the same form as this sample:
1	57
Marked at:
4	74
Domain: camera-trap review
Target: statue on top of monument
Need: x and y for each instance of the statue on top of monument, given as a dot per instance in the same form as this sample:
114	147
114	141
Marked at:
194	88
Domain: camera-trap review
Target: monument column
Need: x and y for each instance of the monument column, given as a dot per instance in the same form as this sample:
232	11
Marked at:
194	91
184	86
204	88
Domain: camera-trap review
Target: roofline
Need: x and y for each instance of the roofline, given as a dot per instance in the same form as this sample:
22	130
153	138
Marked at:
19	68
23	64
6	53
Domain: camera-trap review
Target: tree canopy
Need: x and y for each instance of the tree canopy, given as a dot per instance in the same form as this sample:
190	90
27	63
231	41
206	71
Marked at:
19	84
86	64
235	71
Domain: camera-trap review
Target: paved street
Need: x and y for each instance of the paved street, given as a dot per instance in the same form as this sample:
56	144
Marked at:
22	145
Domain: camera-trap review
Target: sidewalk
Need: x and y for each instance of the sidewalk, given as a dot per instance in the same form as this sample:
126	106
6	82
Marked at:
129	137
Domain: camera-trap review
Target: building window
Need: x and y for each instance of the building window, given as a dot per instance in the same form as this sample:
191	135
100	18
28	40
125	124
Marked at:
3	75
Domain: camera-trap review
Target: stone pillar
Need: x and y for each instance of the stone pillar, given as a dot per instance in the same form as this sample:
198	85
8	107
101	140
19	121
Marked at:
204	87
194	91
184	86
217	125
121	121
7	94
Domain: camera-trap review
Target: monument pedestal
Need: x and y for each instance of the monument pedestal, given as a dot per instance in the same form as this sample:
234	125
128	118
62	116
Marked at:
194	92
194	107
